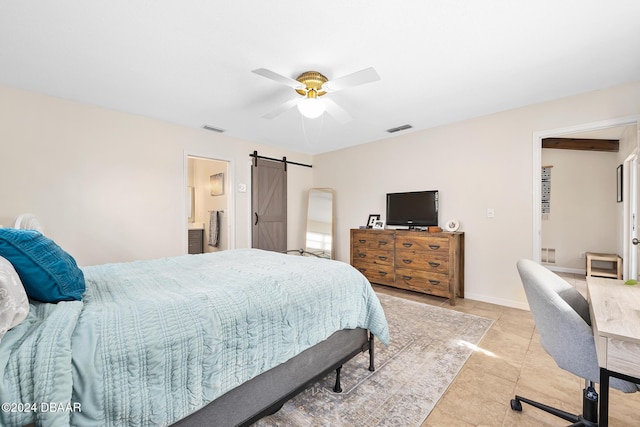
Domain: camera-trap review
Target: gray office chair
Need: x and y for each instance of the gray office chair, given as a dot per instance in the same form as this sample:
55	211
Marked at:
561	315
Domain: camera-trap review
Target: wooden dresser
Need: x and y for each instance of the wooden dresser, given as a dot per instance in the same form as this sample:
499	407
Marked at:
431	263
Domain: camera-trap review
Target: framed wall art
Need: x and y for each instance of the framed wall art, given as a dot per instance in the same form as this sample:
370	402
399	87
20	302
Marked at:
217	184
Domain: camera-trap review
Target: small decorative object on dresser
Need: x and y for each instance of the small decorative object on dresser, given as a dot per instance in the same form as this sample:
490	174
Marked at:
452	225
430	263
372	220
378	224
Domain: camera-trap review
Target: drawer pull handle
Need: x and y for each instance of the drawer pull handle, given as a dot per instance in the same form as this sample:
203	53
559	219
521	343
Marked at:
362	241
382	242
407	277
407	261
382	273
362	270
434	247
362	255
383	258
434	282
434	264
407	245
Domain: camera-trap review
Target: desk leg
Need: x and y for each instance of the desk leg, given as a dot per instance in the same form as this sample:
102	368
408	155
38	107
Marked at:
605	376
604	398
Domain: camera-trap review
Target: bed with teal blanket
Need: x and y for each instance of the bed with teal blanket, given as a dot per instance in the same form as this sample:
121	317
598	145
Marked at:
154	341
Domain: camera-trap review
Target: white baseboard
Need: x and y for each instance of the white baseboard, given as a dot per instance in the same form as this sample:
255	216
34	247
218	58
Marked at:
557	269
516	304
497	301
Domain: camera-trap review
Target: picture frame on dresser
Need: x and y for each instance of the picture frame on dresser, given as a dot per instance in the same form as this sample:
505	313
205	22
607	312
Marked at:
372	220
378	224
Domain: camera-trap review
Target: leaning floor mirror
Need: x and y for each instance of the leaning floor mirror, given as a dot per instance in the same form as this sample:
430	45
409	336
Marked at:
319	235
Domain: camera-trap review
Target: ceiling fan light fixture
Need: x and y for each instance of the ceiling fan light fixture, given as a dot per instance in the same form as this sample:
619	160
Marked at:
311	107
311	85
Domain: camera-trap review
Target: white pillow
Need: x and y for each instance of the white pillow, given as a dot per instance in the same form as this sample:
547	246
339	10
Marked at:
14	304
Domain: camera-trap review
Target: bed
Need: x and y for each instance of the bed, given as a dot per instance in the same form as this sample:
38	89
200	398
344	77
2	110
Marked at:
213	339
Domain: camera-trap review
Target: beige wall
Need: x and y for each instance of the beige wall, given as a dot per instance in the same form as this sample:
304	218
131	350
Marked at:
476	164
110	186
584	214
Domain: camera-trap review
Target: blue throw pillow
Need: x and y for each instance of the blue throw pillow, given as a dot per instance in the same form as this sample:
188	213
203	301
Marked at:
48	273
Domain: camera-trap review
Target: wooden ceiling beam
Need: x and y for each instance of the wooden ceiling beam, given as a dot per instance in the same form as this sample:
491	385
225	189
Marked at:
610	145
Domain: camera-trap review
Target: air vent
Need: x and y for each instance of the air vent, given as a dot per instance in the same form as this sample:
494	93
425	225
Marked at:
548	256
212	129
399	128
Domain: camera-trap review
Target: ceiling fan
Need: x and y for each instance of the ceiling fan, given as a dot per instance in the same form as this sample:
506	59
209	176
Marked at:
311	85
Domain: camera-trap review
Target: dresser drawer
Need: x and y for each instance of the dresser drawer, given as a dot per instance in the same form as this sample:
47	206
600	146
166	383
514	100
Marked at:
377	240
434	262
374	256
376	273
423	281
420	243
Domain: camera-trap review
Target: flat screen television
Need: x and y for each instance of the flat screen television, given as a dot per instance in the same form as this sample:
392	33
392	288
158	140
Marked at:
413	209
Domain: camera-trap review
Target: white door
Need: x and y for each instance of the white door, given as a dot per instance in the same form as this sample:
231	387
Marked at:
633	217
632	164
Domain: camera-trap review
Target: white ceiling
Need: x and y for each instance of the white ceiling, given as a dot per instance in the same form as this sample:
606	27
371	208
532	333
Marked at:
440	61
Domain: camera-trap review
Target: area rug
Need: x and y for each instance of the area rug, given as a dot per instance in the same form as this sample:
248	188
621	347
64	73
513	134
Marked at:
429	346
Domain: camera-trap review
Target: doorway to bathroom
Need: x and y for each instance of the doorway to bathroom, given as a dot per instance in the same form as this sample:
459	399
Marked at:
208	194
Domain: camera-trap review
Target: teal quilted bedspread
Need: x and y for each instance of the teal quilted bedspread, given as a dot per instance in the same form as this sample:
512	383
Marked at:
155	340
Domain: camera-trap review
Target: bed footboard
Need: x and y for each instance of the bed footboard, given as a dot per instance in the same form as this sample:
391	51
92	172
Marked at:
266	393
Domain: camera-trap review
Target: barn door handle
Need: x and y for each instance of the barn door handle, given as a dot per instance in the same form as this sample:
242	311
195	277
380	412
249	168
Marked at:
256	214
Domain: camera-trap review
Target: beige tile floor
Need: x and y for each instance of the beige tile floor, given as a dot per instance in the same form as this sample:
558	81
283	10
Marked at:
510	360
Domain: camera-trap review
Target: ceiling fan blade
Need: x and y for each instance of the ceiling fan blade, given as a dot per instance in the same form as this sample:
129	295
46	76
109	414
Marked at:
281	109
278	78
336	111
358	78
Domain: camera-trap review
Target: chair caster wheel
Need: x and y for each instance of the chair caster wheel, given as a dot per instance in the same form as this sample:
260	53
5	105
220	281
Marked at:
516	405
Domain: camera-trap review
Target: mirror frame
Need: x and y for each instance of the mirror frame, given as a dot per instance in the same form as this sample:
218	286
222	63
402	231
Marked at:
191	204
333	222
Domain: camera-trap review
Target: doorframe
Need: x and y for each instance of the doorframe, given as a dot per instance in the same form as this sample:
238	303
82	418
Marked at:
630	207
231	201
537	165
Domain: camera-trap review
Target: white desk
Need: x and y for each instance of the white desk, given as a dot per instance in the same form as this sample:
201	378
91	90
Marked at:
615	318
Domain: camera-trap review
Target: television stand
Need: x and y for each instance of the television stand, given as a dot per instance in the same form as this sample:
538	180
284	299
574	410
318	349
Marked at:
430	263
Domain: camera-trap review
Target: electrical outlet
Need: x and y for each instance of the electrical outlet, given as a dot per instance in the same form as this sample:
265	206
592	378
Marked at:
491	213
